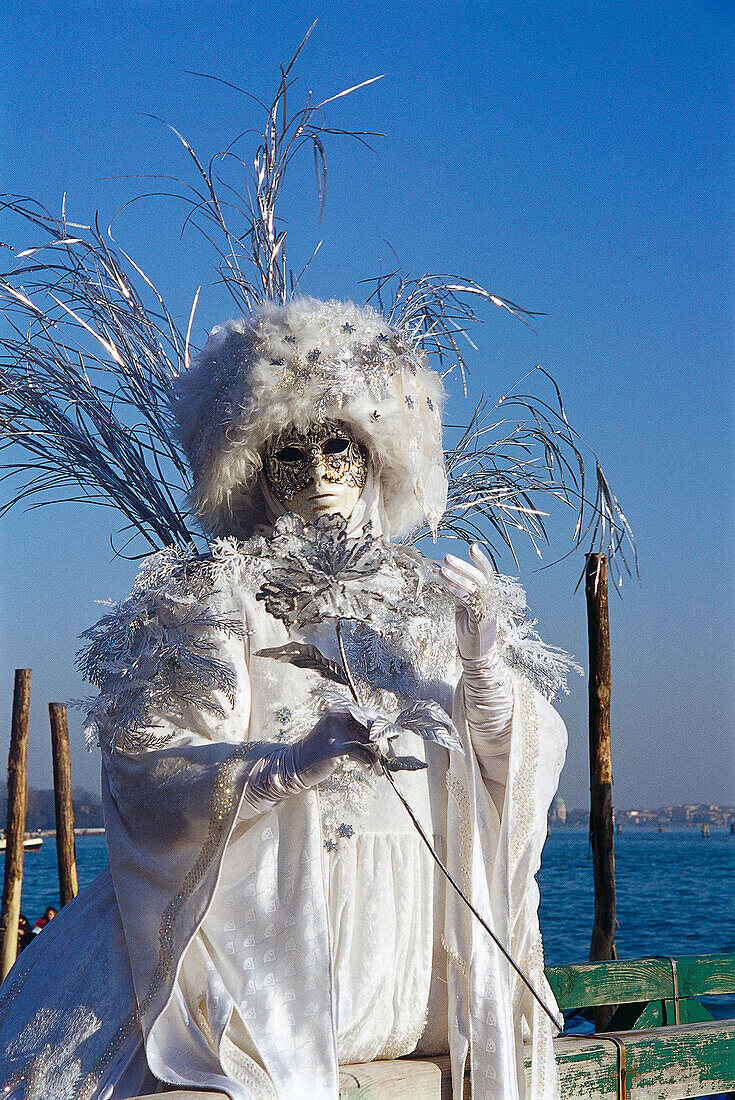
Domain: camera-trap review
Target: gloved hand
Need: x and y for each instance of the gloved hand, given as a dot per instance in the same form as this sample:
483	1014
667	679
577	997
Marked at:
288	769
335	738
476	626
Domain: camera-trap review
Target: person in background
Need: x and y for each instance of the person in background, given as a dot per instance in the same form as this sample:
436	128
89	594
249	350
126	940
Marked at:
48	913
25	935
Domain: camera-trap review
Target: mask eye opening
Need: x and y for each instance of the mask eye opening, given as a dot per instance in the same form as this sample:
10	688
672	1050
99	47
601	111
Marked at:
336	445
290	455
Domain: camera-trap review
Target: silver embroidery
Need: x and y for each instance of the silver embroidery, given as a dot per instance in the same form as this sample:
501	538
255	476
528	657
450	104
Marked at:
51	1071
542	1035
458	792
244	1069
344	795
343	798
455	957
157	651
397	1048
330	381
525	778
10	989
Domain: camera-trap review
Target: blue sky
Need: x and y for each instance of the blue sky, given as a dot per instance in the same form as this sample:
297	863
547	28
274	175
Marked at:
574	157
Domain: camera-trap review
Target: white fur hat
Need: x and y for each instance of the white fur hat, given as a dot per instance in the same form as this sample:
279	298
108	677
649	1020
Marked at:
289	365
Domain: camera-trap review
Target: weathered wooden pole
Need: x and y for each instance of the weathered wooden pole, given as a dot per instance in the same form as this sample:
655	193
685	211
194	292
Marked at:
601	808
16	821
65	850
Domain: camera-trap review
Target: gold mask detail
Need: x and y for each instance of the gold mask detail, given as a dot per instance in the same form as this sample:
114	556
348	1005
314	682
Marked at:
292	457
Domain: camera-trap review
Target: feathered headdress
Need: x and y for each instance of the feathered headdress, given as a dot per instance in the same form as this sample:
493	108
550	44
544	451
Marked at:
293	364
101	389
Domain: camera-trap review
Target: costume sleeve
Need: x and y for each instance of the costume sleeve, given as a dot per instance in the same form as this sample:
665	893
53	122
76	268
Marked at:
173	721
489	701
182	734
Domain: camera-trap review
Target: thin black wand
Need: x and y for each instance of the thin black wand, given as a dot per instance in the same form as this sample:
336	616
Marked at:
468	903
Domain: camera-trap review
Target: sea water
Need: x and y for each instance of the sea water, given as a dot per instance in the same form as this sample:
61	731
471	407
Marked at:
675	895
675	892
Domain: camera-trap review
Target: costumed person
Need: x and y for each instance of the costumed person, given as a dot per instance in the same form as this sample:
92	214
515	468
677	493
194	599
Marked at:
270	911
270	711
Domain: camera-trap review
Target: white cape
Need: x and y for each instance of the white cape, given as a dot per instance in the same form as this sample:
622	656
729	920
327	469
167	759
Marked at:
131	965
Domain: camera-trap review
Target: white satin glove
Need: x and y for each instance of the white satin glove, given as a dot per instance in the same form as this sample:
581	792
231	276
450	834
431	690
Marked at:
486	683
476	627
289	769
336	738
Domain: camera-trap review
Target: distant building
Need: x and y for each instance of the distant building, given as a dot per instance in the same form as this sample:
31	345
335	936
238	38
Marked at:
41	813
558	812
687	815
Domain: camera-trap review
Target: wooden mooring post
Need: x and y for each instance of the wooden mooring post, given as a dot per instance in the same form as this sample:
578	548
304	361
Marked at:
65	850
16	821
601	808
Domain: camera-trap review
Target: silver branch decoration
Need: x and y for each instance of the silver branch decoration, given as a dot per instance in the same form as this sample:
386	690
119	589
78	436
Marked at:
316	573
90	348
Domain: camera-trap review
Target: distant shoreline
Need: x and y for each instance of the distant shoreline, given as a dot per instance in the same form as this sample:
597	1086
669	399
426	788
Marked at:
77	832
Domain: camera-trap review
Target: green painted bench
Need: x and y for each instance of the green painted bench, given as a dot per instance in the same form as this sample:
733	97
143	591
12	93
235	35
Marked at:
647	992
661	1043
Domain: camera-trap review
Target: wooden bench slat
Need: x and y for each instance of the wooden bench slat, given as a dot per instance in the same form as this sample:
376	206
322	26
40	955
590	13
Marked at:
685	1061
705	974
625	981
663	1063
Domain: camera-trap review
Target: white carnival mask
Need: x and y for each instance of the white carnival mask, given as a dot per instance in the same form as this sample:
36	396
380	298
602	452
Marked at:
318	471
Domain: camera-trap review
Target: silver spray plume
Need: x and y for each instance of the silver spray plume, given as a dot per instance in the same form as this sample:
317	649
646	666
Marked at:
90	350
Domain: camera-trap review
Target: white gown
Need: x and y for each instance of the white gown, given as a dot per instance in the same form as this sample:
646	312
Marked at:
254	953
